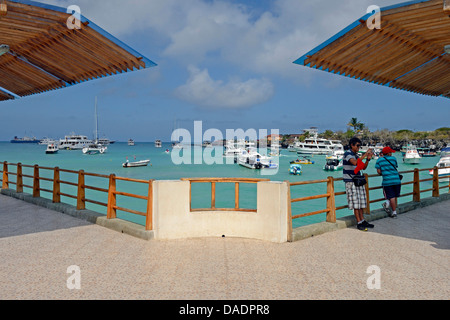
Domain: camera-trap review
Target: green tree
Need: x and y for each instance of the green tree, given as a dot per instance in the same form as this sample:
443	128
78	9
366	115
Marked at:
356	125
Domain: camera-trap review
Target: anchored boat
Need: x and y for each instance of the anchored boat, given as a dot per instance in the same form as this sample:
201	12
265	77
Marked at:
142	163
411	155
52	148
444	164
295	169
96	147
251	159
333	164
304	160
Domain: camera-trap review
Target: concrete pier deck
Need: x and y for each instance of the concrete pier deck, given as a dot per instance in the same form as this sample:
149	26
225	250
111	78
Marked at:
37	246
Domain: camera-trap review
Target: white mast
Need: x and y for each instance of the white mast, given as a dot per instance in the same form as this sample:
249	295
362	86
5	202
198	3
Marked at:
96	122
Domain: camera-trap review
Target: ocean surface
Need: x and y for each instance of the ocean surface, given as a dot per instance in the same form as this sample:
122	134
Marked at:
163	168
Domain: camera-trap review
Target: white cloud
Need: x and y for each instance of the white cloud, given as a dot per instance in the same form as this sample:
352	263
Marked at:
202	90
192	30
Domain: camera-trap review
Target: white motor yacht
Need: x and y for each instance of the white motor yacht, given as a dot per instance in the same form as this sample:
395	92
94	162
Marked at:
74	142
337	152
444	164
233	149
316	145
411	155
105	141
46	141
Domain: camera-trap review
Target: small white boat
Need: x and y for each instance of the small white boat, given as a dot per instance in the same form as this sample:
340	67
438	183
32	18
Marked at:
105	141
333	164
131	142
46	141
251	159
142	163
52	148
207	144
295	169
177	145
158	144
411	156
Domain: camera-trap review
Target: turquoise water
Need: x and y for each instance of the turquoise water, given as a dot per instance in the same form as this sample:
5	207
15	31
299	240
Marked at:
162	168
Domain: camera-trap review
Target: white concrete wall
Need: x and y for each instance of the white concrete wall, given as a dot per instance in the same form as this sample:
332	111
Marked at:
172	218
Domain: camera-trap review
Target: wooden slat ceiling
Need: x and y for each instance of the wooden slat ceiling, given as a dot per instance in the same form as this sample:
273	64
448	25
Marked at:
4	96
407	53
46	55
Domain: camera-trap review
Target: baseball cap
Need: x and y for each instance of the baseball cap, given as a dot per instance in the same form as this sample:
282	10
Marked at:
387	150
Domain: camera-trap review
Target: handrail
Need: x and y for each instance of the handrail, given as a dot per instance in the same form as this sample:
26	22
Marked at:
81	186
112	207
214	181
331	194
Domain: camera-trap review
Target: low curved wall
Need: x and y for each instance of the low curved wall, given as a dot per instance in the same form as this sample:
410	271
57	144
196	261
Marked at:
172	218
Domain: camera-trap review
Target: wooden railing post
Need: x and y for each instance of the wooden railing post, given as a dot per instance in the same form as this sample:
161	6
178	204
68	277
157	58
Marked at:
81	193
149	218
367	210
213	195
36	184
236	196
416	186
331	204
56	186
289	212
190	196
436	182
5	184
111	210
19	182
448	184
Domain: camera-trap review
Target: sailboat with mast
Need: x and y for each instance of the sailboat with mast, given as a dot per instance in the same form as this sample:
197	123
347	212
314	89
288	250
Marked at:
96	147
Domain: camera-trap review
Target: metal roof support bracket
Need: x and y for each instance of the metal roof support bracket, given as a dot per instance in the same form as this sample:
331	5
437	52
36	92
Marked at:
447	6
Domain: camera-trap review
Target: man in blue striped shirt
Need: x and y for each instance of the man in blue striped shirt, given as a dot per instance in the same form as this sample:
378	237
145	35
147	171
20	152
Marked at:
387	167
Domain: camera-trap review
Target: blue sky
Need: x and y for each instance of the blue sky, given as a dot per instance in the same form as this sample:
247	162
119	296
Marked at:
228	63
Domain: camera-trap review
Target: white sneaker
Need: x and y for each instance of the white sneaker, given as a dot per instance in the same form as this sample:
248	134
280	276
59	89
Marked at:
387	209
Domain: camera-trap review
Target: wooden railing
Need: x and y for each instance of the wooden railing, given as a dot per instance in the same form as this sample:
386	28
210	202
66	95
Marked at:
79	182
331	195
214	182
81	187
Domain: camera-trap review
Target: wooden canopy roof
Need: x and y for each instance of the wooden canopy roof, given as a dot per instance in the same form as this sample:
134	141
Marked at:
45	54
407	53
